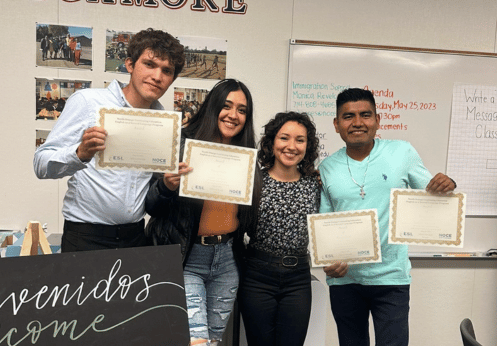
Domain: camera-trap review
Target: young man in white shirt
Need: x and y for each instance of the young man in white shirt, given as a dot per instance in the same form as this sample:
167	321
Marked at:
105	209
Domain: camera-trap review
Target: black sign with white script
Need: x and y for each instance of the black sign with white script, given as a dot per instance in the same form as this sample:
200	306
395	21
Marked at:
129	296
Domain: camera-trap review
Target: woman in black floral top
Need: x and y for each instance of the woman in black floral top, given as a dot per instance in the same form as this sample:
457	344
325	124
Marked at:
275	292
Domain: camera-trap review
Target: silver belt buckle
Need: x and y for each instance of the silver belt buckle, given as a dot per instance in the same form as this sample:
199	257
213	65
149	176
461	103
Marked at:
289	261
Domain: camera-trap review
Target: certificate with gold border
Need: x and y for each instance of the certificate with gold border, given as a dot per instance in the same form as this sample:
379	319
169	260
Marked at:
349	236
139	139
418	217
221	172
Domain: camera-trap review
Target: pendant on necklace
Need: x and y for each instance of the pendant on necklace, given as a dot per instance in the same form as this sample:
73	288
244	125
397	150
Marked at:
362	192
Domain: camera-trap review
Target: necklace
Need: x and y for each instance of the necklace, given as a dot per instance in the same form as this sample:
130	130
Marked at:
362	193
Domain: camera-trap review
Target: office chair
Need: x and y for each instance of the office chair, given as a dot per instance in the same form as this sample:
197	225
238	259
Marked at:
468	333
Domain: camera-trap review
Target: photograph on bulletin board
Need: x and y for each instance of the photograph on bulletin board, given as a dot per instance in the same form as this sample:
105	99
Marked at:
52	94
116	49
62	46
188	101
205	57
41	137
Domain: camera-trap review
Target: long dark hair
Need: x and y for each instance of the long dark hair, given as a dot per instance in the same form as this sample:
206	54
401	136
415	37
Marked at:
203	125
265	156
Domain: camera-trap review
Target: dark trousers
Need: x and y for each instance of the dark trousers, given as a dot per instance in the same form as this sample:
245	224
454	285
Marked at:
275	302
389	306
89	236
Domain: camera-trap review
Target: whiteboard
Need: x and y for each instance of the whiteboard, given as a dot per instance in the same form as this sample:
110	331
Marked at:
471	159
413	91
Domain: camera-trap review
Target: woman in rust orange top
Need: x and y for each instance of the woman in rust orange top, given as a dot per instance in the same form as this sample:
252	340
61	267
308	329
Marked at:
209	231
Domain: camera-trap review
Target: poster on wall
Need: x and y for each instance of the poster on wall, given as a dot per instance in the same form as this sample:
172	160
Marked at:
188	101
116	45
52	94
205	57
41	137
62	46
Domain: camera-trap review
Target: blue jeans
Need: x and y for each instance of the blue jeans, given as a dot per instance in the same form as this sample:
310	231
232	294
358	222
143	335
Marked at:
211	284
389	306
275	302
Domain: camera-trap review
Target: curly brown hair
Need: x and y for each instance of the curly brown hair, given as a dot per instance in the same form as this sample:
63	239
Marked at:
265	155
161	43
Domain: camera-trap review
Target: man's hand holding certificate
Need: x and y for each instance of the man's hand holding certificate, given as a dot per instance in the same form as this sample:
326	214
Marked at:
220	172
139	139
351	236
418	217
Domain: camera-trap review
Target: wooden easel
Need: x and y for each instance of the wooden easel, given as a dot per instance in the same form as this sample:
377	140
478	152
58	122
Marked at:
9	240
33	238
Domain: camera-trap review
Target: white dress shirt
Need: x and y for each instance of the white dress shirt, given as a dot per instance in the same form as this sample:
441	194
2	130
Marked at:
107	197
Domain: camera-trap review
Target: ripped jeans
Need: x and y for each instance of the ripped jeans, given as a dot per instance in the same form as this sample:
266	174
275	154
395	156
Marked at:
211	283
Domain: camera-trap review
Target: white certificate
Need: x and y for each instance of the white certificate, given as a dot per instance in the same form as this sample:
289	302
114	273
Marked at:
350	236
420	218
220	172
139	139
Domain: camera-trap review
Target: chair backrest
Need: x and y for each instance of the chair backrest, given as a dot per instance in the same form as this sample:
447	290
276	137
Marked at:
468	333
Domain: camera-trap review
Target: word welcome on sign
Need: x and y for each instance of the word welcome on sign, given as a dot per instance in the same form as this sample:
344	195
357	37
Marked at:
108	297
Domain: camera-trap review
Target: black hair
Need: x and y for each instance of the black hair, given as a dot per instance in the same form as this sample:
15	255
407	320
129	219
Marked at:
354	95
204	124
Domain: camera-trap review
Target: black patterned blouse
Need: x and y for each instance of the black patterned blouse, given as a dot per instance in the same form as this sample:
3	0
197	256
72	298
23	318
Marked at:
282	220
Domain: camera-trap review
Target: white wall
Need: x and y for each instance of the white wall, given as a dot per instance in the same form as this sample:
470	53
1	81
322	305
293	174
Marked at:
443	291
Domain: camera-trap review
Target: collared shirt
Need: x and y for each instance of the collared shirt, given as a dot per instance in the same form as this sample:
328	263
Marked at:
108	197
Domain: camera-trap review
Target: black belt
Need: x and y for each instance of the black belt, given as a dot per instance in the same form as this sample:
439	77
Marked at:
286	261
213	239
123	231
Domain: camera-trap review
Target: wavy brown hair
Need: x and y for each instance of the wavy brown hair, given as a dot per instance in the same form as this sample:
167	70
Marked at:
265	155
161	43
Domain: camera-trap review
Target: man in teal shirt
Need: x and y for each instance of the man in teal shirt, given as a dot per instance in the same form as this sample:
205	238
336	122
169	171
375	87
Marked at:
360	176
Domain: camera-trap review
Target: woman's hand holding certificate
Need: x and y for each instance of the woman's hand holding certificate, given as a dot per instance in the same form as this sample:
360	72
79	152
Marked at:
172	180
220	172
